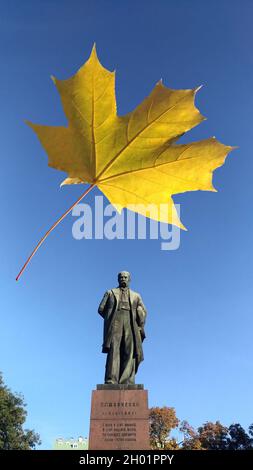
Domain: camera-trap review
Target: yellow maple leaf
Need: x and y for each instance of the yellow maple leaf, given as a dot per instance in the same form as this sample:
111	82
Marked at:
132	159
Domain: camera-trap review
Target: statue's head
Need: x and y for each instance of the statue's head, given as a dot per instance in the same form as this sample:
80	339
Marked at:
124	278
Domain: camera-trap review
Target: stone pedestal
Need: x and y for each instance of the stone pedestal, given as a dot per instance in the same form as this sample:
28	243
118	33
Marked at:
119	418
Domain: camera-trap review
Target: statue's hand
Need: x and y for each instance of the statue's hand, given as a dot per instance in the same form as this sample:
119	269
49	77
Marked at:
142	333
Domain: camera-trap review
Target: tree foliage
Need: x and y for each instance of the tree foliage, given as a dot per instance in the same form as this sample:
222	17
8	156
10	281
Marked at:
213	436
162	421
239	439
12	418
191	437
209	436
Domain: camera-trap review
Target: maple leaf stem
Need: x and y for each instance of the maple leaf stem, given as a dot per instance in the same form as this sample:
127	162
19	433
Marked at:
53	227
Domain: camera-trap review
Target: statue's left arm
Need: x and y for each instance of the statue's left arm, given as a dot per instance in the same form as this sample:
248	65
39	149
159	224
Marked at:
141	312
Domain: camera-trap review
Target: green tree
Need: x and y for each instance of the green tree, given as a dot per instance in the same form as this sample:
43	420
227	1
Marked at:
162	421
238	438
251	430
12	417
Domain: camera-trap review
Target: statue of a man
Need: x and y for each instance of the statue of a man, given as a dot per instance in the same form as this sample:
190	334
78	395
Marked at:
124	318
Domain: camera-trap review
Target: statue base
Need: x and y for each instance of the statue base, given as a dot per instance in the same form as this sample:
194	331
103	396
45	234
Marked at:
119	418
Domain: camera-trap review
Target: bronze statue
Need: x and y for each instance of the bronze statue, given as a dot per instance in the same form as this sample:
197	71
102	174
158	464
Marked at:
124	318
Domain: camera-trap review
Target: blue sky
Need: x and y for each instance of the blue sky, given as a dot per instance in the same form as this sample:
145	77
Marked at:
198	351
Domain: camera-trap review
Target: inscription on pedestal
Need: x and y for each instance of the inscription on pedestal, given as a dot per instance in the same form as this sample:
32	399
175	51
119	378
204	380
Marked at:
119	432
119	420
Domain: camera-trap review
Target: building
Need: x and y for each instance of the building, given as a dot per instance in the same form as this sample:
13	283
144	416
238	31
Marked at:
71	444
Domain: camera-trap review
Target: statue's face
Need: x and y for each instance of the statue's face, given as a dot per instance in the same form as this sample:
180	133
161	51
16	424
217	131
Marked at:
123	279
